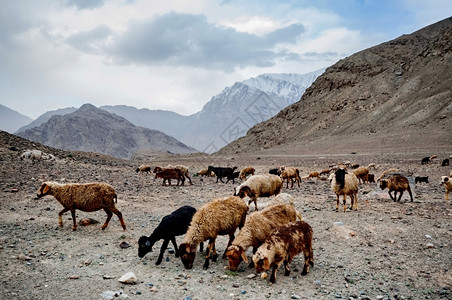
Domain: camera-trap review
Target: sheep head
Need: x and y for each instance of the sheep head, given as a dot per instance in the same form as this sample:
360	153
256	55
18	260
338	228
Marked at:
187	255
44	190
235	256
340	177
261	263
245	191
144	246
383	183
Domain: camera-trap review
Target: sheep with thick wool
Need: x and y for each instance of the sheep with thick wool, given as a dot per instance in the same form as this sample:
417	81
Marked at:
143	169
396	183
87	197
362	173
205	172
259	186
282	246
183	169
291	173
343	183
258	227
245	172
447	182
219	217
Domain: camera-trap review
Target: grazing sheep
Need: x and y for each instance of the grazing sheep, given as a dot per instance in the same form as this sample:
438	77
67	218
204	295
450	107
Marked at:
144	169
219	217
168	174
181	168
371	178
281	247
396	183
171	226
257	229
324	172
355	166
419	179
445	162
290	173
223	172
259	186
345	184
205	172
275	171
447	182
371	166
87	197
314	174
362	173
245	172
425	160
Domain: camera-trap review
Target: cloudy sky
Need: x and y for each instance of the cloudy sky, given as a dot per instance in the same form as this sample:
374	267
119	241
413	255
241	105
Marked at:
177	54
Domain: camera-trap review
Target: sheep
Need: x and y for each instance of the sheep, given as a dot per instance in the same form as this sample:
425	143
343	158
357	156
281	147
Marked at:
446	181
371	178
245	172
87	197
257	228
419	179
219	217
445	162
143	169
234	176
275	171
425	160
324	172
205	172
283	244
171	226
290	173
384	173
354	166
396	183
36	155
222	172
371	166
259	186
343	183
313	174
183	169
362	173
168	174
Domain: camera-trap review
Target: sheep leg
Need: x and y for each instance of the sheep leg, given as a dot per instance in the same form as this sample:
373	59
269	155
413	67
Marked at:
231	239
201	247
400	197
119	214
189	179
391	195
411	195
60	216
214	253
345	203
173	241
162	250
447	195
109	215
286	268
273	275
251	264
208	251
74	226
337	202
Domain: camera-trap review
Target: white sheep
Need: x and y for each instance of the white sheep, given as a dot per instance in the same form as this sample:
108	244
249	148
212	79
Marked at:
87	197
259	186
343	183
258	227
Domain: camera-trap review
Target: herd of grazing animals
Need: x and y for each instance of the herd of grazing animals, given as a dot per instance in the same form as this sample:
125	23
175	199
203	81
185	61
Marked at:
274	233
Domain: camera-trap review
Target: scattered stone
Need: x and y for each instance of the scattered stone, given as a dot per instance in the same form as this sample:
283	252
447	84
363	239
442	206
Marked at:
264	275
429	246
124	245
88	262
339	223
224	276
108	277
128	278
113	294
154	289
74	277
428	236
236	285
294	296
251	276
187	298
24	257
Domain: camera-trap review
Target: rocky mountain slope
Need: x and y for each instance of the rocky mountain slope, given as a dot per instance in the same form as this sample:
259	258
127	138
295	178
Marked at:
11	120
396	94
46	116
95	130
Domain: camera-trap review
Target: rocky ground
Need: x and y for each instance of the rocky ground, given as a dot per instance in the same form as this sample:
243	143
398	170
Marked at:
385	250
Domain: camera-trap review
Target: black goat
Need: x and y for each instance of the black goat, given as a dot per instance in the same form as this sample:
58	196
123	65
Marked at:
171	226
275	172
235	175
445	162
223	172
418	179
425	160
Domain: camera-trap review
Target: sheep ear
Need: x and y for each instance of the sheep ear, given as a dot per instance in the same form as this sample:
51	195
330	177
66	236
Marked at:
266	263
187	248
45	189
245	259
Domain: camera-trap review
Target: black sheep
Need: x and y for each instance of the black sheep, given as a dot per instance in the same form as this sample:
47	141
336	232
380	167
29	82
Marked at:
275	172
222	172
235	175
419	179
445	162
171	226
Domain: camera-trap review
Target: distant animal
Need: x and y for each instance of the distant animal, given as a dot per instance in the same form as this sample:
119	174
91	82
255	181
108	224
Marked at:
168	174
291	173
343	183
425	160
275	171
259	186
245	172
222	172
371	178
144	169
87	197
419	179
447	182
396	183
445	162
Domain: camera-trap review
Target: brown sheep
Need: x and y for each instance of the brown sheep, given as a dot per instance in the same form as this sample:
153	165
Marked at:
144	169
87	197
290	173
219	217
168	174
325	172
259	186
447	182
396	183
205	172
283	244
362	174
245	172
183	169
371	178
345	184
257	229
313	174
